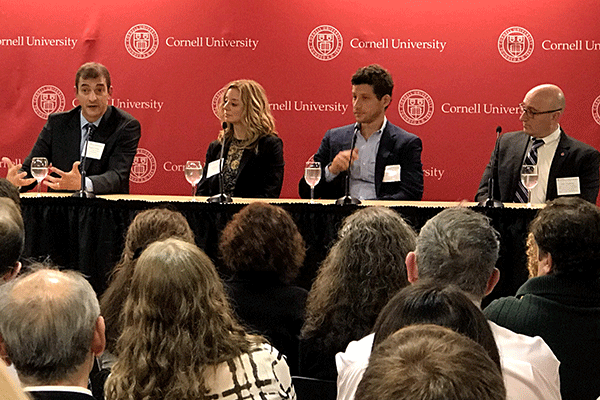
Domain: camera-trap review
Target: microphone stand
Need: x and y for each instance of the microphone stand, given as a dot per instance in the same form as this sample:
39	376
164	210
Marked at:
82	192
222	197
347	199
491	202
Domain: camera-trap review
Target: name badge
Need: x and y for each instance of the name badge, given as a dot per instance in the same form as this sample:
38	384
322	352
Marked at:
567	186
94	150
213	168
392	173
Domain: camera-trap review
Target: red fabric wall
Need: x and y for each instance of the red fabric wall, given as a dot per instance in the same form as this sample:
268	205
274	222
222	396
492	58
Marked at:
446	56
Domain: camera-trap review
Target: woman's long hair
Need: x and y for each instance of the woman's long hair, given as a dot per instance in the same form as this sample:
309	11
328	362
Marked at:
147	227
256	114
362	271
177	323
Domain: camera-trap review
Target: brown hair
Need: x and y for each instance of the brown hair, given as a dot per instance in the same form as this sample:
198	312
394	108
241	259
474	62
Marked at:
92	70
263	238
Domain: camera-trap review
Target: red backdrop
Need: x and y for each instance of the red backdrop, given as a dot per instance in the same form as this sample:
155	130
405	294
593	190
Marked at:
460	69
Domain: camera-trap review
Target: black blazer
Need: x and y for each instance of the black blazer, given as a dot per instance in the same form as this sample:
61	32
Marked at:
397	147
60	141
572	158
260	173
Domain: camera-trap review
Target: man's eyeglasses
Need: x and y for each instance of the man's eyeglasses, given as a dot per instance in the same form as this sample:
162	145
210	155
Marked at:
531	114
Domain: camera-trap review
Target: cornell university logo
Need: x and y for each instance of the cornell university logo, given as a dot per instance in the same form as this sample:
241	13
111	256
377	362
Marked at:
325	42
415	107
47	100
596	110
141	41
217	101
144	166
515	44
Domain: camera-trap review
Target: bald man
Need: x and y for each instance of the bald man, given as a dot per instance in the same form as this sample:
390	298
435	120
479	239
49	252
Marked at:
566	167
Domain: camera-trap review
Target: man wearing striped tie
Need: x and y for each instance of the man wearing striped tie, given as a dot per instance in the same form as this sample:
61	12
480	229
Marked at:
566	166
108	135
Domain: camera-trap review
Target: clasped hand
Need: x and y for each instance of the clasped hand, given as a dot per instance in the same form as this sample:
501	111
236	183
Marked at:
342	160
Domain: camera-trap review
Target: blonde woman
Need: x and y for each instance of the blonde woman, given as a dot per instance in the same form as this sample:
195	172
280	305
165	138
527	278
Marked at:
253	153
180	339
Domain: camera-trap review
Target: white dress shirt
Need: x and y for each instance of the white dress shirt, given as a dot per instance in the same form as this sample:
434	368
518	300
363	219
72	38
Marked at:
545	157
529	367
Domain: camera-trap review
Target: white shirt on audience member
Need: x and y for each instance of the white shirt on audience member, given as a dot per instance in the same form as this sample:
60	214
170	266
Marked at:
529	367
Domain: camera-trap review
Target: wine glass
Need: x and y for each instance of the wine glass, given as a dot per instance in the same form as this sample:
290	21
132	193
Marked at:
529	178
312	176
193	174
39	170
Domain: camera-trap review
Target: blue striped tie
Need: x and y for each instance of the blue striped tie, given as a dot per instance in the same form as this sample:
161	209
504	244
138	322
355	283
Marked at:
531	159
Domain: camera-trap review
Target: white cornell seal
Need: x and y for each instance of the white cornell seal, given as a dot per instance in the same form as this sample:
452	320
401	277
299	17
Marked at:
515	44
144	166
47	100
325	42
596	110
141	41
416	107
217	103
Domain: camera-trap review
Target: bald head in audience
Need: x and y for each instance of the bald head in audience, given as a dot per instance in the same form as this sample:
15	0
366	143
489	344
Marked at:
51	328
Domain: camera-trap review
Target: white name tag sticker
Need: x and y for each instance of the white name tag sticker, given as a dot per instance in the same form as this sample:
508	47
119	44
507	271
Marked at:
392	173
94	150
567	186
213	168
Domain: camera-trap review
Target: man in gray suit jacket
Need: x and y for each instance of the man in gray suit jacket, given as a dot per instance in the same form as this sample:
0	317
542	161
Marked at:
565	166
386	160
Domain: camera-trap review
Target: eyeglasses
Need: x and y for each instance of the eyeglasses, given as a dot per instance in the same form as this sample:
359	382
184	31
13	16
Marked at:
531	114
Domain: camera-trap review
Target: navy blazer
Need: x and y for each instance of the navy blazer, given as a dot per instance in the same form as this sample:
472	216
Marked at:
260	173
572	158
60	141
397	147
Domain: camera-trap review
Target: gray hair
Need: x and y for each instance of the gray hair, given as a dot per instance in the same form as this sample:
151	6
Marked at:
48	332
458	246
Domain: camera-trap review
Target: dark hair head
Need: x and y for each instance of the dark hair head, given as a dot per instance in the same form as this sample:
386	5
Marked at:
427	302
147	227
458	246
263	238
430	362
12	235
377	77
7	189
568	228
92	70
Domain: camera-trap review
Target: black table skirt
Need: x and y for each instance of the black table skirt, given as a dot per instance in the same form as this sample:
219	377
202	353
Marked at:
88	234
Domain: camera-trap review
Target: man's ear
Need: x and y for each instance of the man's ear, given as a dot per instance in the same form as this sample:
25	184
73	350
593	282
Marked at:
110	90
3	352
412	270
492	281
544	264
99	339
13	272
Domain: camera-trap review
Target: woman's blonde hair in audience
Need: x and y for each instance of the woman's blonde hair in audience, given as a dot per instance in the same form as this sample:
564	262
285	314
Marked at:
256	114
177	323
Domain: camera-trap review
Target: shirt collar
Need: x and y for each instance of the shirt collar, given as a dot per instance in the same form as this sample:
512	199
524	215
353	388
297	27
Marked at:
84	122
77	389
551	138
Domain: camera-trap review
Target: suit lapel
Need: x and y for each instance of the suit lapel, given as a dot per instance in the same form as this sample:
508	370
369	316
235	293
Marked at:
560	156
517	149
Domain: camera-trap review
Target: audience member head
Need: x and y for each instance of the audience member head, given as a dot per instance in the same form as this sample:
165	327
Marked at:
430	362
376	76
427	302
567	234
256	116
457	247
147	227
177	323
12	239
7	189
263	238
361	272
51	327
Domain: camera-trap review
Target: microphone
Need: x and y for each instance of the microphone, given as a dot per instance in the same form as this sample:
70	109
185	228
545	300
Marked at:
221	197
347	199
491	202
82	192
